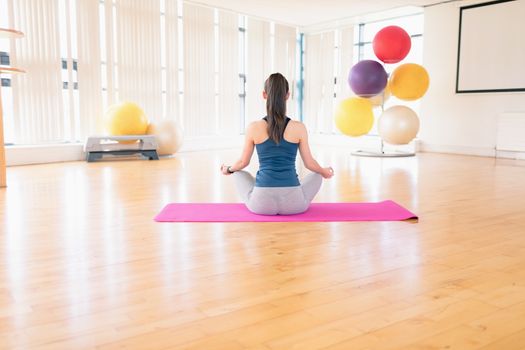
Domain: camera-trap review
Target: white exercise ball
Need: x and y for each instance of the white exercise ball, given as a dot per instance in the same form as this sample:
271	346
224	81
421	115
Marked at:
168	134
398	125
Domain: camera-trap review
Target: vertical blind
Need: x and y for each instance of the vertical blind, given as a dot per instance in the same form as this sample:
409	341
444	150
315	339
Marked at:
258	65
344	61
199	71
138	54
285	60
319	81
37	95
171	21
328	59
82	56
269	52
228	74
89	74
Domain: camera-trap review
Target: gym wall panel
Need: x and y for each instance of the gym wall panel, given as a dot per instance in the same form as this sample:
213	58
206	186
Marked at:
510	131
451	122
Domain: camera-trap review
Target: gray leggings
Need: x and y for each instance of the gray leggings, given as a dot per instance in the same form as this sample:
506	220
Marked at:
276	200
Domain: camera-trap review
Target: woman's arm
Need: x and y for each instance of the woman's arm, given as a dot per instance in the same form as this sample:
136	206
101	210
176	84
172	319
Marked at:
246	155
309	161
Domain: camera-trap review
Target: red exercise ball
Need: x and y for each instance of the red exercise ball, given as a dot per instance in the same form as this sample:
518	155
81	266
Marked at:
391	44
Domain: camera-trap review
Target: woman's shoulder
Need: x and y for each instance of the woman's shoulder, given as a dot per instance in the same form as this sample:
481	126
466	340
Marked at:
296	124
256	129
257	125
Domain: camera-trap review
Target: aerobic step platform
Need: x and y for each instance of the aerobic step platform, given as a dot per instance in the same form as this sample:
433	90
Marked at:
98	146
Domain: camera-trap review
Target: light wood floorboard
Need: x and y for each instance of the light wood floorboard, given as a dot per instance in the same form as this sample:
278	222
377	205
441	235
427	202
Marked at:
84	266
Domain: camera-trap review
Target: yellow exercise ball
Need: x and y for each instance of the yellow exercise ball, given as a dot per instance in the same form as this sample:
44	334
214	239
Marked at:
381	98
398	125
409	81
125	118
354	116
168	134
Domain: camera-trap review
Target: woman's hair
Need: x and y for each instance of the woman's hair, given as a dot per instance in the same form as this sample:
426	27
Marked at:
276	88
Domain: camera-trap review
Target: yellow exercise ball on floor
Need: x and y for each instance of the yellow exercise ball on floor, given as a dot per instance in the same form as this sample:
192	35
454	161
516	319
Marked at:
354	116
398	125
125	118
409	81
168	134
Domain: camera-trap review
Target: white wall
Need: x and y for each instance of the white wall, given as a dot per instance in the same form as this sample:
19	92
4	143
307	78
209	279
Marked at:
450	122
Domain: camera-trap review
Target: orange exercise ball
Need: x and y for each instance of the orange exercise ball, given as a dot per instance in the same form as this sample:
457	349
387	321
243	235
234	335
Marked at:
409	81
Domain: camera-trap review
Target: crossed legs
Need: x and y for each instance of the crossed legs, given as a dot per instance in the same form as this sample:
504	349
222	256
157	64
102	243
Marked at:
277	200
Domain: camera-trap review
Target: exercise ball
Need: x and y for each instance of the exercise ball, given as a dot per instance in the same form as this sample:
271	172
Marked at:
125	118
367	78
398	125
409	81
380	99
168	134
391	44
354	116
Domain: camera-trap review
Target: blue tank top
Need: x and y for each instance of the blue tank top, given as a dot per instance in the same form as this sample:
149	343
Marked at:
277	163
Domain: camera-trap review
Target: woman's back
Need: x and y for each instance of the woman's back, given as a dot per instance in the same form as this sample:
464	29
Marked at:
276	160
292	132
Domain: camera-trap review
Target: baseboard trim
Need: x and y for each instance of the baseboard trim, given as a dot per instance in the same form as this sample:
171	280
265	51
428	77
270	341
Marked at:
452	149
366	142
471	151
69	152
510	155
40	154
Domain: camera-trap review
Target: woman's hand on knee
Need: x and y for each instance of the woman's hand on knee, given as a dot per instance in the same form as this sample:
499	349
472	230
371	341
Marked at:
225	170
327	172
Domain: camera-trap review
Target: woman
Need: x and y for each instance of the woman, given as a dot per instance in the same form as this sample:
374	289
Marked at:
276	188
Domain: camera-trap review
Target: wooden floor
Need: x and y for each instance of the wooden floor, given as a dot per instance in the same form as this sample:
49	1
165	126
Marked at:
83	264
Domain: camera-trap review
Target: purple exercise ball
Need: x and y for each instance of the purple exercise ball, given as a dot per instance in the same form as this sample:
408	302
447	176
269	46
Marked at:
367	78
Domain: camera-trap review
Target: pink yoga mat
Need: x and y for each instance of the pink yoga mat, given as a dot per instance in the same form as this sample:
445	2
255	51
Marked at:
237	212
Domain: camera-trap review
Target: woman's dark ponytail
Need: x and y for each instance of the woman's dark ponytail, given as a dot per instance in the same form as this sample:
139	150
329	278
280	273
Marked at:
276	88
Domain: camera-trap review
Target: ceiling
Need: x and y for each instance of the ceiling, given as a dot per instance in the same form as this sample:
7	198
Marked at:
303	13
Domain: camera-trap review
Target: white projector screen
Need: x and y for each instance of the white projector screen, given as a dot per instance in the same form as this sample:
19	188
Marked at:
491	48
